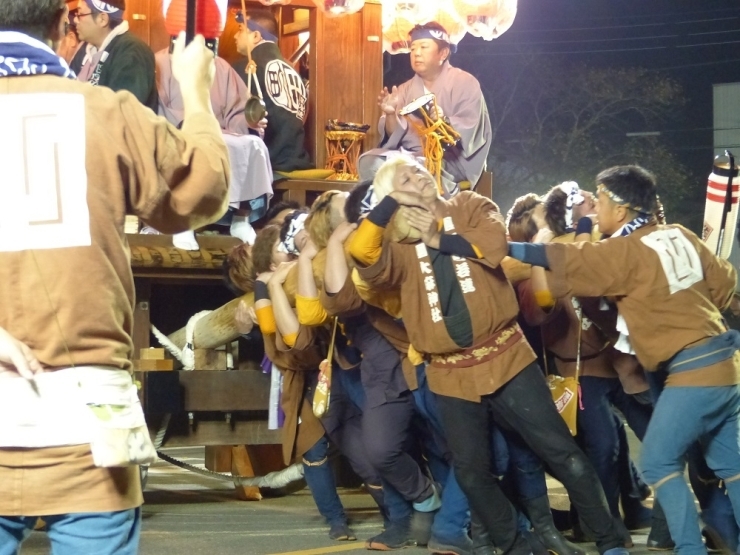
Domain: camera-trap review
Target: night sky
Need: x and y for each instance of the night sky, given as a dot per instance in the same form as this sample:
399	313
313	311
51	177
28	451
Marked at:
695	42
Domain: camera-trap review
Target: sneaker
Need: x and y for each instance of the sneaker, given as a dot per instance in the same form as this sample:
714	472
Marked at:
462	545
341	532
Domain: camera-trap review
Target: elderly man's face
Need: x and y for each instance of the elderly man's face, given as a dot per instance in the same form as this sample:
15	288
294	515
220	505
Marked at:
412	177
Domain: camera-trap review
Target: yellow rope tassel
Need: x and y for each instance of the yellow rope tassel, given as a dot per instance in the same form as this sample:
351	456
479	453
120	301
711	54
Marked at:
435	136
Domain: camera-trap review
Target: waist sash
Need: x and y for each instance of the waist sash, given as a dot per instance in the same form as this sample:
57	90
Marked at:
484	351
716	349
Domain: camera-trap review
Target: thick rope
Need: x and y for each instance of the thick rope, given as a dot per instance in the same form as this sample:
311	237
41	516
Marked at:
273	480
435	136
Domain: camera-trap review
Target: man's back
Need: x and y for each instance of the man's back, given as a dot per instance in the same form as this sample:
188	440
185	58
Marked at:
113	157
286	98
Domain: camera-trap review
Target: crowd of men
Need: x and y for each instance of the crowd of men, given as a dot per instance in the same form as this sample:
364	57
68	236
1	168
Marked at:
439	315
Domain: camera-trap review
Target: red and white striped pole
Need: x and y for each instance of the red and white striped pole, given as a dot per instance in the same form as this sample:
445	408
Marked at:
721	211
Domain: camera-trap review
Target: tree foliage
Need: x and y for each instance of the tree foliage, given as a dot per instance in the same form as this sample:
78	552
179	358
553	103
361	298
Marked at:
555	121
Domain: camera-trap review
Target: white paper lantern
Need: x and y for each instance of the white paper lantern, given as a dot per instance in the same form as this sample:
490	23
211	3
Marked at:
273	2
336	8
487	19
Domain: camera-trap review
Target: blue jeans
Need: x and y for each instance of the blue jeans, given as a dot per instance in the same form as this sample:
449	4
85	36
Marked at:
451	521
716	508
683	416
320	479
598	429
115	533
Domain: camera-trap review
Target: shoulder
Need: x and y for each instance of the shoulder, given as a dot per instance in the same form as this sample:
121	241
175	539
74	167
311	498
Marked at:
472	200
131	45
462	77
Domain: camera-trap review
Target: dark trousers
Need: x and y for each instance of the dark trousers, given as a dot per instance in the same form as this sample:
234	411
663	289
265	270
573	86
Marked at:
386	431
524	404
599	429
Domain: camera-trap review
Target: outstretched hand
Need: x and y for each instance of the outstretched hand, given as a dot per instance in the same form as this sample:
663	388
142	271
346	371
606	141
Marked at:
388	101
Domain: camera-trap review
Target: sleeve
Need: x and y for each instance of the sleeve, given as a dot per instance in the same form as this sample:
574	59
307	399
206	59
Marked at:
390	270
345	301
589	269
234	99
266	320
530	309
133	70
485	229
457	245
310	311
177	180
298	342
367	242
469	117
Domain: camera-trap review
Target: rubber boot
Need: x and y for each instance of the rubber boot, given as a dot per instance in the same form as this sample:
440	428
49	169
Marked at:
538	511
482	544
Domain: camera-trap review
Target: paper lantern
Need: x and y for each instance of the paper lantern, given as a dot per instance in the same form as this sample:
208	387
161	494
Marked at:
411	10
273	2
487	19
210	17
336	8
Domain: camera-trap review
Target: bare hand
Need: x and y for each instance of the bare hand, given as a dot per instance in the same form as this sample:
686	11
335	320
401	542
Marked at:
735	305
264	277
388	101
544	235
243	318
281	274
438	114
426	223
18	355
309	250
405	198
193	66
342	231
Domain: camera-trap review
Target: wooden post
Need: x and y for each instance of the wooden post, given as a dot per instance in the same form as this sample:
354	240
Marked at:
241	465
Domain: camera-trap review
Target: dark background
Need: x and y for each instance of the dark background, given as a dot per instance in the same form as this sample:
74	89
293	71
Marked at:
694	43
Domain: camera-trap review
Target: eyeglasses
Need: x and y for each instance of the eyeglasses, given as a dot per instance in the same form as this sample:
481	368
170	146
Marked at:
76	16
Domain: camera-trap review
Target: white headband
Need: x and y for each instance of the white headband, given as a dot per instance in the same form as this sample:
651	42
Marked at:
103	7
296	226
574	198
369	201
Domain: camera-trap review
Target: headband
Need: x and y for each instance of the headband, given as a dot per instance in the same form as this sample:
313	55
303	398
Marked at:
104	7
369	201
435	34
254	26
573	198
297	223
619	200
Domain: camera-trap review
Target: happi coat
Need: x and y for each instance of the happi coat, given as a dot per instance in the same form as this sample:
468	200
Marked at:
668	287
68	292
498	351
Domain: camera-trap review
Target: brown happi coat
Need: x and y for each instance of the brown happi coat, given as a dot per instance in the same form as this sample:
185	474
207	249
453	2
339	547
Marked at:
488	295
301	429
74	306
660	323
